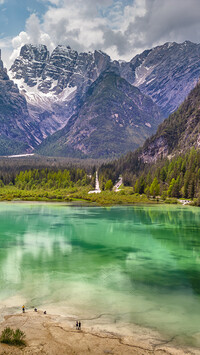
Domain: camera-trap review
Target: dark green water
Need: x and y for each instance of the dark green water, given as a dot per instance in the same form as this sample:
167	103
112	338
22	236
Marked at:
136	264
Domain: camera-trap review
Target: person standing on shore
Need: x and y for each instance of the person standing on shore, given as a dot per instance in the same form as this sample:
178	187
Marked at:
23	309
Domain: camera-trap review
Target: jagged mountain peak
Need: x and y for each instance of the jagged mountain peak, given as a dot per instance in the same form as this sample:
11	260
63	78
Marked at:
57	85
54	84
28	67
113	118
167	73
34	52
64	50
65	67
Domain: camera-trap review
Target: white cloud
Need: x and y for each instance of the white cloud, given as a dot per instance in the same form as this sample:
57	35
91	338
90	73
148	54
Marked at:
2	2
168	20
119	27
33	34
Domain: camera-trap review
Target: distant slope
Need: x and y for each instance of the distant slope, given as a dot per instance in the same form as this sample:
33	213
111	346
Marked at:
115	117
166	73
178	133
175	136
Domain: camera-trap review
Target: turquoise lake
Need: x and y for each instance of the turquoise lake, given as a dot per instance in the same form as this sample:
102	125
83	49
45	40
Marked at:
137	265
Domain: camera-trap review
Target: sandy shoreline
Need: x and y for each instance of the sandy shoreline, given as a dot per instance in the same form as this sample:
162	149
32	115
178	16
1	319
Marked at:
56	335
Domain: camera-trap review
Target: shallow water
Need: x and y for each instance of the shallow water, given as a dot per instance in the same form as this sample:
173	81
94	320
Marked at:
135	264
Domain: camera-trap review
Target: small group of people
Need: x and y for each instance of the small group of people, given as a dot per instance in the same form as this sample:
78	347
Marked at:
35	310
78	325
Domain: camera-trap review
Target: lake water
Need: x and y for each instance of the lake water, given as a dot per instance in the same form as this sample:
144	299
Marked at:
135	264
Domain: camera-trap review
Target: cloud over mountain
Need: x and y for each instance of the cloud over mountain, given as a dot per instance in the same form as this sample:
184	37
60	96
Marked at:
122	28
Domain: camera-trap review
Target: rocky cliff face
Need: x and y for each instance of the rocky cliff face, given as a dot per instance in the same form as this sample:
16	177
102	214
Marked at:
15	124
67	68
114	118
53	85
166	73
178	133
28	67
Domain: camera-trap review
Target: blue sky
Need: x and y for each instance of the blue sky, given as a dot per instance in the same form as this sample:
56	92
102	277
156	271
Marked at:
14	13
121	28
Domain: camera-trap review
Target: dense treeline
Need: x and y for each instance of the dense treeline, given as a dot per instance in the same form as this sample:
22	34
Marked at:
178	177
51	179
11	167
48	185
32	179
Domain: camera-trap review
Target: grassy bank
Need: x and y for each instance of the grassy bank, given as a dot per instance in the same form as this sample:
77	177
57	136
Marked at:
12	193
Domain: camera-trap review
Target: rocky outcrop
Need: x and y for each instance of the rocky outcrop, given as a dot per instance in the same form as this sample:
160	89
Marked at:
178	133
155	150
29	66
166	73
115	117
67	68
54	85
15	124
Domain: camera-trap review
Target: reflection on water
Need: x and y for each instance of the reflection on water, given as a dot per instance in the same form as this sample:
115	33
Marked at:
139	264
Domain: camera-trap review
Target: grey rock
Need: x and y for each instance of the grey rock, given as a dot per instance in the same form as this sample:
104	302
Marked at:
30	64
157	149
114	118
166	73
16	125
55	85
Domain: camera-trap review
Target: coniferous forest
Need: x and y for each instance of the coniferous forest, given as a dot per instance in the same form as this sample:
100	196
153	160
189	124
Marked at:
165	181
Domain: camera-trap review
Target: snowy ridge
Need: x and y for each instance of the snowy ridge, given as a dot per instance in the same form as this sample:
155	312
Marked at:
36	97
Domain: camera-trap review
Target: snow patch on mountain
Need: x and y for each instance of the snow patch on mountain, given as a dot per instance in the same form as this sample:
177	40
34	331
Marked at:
141	74
36	97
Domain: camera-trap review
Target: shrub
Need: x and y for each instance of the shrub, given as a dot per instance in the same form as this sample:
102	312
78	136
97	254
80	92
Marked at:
172	201
9	336
109	185
18	337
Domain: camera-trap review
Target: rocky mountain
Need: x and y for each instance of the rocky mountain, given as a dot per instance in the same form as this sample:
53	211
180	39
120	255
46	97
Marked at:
15	124
115	117
61	92
166	73
178	133
54	84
